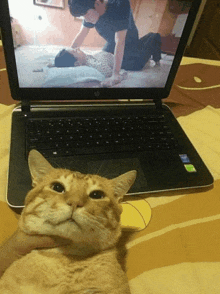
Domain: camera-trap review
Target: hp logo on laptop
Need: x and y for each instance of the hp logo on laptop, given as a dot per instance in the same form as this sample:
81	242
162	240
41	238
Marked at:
97	93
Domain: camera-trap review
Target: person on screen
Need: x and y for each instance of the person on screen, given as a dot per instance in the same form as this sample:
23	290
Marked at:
102	61
113	20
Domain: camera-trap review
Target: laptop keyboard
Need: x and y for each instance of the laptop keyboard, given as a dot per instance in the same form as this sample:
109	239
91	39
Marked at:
55	137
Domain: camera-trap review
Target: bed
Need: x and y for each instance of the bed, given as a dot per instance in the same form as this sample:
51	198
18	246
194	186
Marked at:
33	70
176	247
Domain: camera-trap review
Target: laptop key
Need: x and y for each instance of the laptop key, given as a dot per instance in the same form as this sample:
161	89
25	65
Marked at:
75	136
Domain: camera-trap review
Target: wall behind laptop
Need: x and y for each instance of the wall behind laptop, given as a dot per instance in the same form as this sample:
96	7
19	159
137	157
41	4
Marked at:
42	25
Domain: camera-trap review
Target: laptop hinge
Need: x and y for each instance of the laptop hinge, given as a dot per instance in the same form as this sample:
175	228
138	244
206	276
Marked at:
158	104
25	106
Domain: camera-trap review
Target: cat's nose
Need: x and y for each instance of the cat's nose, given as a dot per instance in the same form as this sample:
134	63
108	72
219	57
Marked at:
75	203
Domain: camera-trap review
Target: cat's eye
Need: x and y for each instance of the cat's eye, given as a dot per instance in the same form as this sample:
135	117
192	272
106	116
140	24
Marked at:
58	187
97	194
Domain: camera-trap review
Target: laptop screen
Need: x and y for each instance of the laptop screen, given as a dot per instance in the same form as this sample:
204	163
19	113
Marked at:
88	44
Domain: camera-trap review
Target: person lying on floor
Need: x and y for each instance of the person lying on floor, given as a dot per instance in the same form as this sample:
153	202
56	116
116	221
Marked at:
104	61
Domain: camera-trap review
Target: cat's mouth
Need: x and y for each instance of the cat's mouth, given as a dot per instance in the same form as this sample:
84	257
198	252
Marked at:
72	220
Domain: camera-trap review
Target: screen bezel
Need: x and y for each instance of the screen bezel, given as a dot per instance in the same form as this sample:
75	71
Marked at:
82	94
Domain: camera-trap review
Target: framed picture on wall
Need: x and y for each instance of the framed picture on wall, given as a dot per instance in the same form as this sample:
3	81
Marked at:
50	3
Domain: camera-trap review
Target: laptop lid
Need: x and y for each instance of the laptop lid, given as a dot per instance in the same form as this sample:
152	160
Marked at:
171	19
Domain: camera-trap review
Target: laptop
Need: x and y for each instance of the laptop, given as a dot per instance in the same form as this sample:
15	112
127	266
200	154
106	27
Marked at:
89	128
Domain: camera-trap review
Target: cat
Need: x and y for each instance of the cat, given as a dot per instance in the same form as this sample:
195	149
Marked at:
83	208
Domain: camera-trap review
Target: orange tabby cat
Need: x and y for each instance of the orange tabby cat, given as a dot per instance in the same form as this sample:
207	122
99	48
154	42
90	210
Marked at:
83	208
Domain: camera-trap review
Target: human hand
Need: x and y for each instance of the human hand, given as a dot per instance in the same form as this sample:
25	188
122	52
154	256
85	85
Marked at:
91	16
113	80
22	243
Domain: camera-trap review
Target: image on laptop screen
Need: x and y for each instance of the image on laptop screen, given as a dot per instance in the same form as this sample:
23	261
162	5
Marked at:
96	43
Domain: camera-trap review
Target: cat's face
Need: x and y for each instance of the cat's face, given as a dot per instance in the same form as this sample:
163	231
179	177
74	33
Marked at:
83	208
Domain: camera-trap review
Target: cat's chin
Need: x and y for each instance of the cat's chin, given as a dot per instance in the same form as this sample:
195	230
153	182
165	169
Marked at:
79	250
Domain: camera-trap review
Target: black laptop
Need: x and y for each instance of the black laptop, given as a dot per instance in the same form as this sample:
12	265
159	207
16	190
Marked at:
106	131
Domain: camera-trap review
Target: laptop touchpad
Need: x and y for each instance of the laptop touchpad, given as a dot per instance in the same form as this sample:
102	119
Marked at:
112	168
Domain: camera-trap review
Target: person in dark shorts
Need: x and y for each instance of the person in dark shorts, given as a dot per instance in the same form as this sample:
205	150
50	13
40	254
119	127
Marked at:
113	20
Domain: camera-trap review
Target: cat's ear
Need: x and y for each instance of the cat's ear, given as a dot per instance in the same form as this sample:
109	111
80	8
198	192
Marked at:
123	183
38	166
